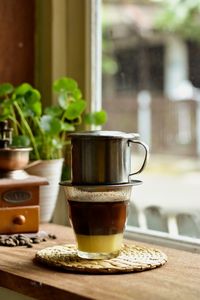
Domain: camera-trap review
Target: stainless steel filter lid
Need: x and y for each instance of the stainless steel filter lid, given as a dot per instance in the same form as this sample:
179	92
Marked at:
102	187
103	134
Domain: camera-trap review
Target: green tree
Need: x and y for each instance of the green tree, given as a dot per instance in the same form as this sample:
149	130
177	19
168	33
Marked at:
181	17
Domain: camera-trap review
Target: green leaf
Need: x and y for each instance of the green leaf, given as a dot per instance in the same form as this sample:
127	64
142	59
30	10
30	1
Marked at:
32	103
96	118
109	65
77	94
77	121
21	141
28	99
35	109
89	118
6	109
22	89
54	111
100	117
180	17
50	125
5	112
63	100
67	127
64	84
57	144
6	89
75	109
33	95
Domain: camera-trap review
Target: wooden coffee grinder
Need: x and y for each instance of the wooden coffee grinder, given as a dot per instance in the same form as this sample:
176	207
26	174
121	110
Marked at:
19	191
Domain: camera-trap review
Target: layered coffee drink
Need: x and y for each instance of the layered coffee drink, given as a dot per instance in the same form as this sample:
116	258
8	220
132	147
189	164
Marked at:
98	226
98	215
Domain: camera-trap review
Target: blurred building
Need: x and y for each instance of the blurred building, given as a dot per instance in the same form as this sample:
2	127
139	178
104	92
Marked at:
153	63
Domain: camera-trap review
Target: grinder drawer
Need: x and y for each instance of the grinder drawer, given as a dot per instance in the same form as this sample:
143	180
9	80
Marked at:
19	220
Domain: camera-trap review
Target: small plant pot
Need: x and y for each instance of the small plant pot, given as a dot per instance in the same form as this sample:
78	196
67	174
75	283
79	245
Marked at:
51	170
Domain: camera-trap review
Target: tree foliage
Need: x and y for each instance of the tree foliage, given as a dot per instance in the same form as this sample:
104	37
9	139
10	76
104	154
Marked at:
181	17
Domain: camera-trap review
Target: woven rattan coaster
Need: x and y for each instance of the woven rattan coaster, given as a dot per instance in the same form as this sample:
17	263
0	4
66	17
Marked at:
132	258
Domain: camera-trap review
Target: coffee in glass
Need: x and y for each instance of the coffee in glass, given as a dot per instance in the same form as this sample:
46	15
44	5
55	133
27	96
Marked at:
98	216
98	227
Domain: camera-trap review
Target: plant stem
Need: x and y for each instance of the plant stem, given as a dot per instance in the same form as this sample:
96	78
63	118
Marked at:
28	129
14	121
13	117
18	125
46	149
62	133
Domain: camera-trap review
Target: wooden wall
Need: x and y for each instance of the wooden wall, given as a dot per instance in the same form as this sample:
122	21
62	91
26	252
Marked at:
17	41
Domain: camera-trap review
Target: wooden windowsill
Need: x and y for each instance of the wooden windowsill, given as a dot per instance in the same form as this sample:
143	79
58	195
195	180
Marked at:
177	279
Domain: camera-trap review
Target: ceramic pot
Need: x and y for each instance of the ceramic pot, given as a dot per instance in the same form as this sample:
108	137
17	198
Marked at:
52	171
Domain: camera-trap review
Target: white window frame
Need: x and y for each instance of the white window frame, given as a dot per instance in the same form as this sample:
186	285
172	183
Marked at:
93	56
163	238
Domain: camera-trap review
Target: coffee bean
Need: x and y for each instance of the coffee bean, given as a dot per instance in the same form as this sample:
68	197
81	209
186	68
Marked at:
15	240
21	236
10	243
36	240
24	240
52	236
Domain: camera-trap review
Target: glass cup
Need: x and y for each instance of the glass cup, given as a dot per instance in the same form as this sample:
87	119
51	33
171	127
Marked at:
98	217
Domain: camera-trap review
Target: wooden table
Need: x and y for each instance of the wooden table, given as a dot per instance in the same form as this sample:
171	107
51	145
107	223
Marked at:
179	278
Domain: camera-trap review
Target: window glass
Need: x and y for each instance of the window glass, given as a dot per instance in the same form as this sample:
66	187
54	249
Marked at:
151	85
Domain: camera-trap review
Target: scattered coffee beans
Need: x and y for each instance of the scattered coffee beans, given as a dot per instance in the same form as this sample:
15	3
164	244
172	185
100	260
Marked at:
24	239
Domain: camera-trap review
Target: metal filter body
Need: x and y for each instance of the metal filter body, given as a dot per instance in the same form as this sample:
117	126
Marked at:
103	157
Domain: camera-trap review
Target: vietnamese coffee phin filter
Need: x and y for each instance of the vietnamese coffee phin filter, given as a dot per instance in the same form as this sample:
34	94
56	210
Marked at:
104	157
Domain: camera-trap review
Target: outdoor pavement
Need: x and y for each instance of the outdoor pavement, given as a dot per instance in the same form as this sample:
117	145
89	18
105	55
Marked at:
170	189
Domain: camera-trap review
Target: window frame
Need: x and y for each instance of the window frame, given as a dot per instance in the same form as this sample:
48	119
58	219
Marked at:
163	239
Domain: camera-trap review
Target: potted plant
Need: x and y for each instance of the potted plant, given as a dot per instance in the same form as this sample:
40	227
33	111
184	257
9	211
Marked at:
45	129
